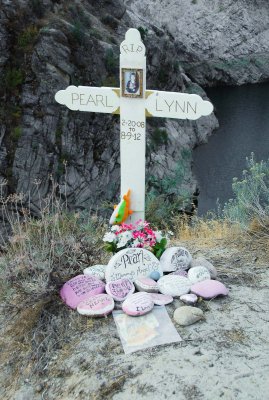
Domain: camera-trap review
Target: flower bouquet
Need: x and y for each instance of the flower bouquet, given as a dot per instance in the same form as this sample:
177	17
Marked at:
139	234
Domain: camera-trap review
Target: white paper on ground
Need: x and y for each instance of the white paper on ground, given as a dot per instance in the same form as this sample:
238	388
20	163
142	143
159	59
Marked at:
152	329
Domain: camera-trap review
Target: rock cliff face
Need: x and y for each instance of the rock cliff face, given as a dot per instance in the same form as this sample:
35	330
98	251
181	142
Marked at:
47	45
219	41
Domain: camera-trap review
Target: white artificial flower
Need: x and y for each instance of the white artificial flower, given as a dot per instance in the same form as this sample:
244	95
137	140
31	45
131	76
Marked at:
135	243
170	233
127	235
109	237
158	235
115	228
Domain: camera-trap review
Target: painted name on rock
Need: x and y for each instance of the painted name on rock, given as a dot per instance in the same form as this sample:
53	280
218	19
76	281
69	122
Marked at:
99	305
175	258
132	263
80	288
174	285
138	304
120	289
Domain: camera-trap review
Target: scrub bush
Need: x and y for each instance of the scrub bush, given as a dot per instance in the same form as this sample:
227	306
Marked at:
250	206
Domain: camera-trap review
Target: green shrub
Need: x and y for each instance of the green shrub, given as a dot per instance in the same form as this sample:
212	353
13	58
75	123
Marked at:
159	137
251	196
13	78
111	62
143	32
27	37
16	133
78	31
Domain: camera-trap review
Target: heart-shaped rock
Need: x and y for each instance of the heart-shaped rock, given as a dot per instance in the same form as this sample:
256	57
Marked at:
95	306
120	289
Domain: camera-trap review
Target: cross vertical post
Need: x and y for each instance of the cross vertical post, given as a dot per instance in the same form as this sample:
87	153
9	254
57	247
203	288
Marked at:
133	121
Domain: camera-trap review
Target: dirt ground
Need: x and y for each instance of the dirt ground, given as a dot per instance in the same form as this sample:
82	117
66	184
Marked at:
225	356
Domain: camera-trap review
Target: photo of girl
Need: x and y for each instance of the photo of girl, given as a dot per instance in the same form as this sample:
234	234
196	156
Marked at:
132	82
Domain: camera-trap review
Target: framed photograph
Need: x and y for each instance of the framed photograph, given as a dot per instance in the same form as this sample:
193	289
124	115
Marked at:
131	82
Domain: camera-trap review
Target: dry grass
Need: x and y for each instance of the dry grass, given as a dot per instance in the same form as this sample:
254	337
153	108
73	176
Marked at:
206	232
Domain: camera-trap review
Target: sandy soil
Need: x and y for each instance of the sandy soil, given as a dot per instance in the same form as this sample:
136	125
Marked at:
226	356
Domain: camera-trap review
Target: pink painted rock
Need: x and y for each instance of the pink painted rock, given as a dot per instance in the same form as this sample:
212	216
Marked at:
209	289
120	289
161	299
146	285
80	288
138	304
189	299
179	272
96	306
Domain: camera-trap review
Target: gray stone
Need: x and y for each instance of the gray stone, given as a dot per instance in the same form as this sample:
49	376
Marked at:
202	261
187	315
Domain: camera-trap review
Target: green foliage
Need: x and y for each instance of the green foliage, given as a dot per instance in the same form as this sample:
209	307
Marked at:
160	247
143	32
16	133
13	78
78	31
251	196
27	37
170	196
111	62
159	137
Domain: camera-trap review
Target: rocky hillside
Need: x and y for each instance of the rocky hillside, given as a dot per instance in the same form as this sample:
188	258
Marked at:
47	45
221	41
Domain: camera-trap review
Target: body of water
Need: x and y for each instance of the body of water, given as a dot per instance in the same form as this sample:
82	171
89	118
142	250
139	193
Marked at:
243	114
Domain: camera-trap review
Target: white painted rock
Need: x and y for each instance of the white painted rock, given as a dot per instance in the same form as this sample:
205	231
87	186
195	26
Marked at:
175	258
187	315
174	285
120	289
96	270
132	263
96	306
138	304
146	285
209	289
198	274
80	288
202	261
190	299
161	299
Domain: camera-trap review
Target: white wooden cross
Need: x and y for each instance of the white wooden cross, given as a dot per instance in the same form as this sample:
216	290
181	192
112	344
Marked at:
133	102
